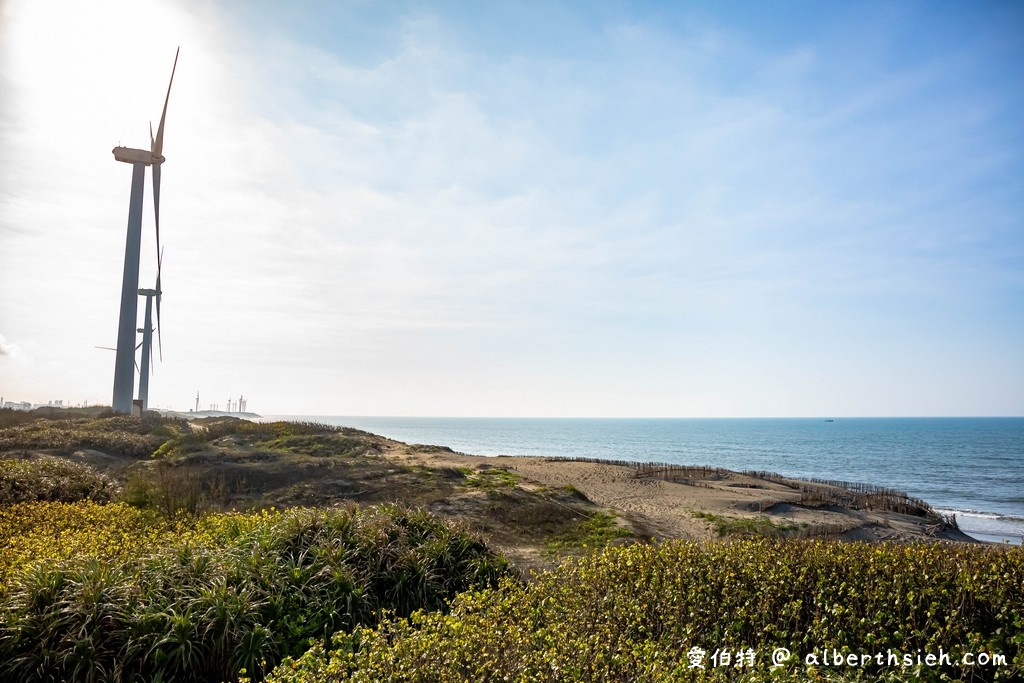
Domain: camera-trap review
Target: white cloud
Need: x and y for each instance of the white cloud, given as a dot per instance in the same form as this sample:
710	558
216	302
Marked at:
8	349
439	209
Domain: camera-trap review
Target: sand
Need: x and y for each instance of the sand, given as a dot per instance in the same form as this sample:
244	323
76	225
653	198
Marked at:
705	505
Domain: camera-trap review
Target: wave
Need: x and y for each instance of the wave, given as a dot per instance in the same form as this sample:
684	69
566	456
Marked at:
980	514
989	526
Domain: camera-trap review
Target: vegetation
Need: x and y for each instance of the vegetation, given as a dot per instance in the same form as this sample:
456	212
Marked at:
126	595
746	526
633	612
98	429
491	478
50	532
304	437
595	531
10	417
118	435
174	489
54	479
318	445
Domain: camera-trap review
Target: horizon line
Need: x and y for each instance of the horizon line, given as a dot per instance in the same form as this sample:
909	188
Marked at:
651	417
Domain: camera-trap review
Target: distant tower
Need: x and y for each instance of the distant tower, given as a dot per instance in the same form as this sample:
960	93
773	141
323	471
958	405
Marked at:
147	346
197	400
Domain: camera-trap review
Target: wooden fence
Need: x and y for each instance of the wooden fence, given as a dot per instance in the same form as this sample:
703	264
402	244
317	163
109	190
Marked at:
815	492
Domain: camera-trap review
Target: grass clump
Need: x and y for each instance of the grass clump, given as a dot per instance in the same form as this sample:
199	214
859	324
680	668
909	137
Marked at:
119	435
219	427
174	489
310	438
54	479
318	445
489	479
633	612
12	418
746	526
228	591
595	531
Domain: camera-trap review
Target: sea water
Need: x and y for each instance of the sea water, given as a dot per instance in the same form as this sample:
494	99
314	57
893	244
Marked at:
970	467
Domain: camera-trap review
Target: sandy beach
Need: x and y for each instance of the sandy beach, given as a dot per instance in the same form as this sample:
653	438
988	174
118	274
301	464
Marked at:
696	506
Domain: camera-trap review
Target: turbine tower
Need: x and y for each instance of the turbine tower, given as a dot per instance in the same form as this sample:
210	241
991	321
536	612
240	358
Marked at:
124	377
147	346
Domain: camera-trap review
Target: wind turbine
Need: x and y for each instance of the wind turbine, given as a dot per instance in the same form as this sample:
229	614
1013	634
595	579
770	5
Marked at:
124	363
147	345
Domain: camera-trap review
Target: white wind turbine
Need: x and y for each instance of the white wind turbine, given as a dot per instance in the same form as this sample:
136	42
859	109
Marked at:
124	363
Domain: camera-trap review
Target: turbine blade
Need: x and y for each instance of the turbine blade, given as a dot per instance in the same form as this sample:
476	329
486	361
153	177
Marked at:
157	147
158	143
156	217
159	336
159	295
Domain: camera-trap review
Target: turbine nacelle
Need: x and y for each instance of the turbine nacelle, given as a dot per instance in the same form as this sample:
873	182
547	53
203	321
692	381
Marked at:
137	156
127	325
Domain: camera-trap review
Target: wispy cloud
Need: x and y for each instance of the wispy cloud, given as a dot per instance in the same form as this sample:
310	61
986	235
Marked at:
8	349
456	198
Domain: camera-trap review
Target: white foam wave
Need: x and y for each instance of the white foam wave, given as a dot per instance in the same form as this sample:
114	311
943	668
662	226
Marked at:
979	514
989	526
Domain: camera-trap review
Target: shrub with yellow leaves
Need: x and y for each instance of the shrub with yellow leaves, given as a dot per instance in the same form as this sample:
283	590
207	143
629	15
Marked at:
111	592
634	614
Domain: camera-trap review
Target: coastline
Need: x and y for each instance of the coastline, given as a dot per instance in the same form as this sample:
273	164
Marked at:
652	500
925	457
988	527
532	508
704	503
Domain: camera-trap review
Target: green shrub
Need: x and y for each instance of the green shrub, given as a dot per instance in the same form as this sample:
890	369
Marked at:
53	479
219	427
174	490
13	418
310	438
632	613
118	435
240	591
320	445
50	532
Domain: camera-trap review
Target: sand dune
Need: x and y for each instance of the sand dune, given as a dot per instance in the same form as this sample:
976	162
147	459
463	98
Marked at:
704	506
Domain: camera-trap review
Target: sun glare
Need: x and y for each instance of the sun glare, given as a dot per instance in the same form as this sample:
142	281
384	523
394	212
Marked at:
104	64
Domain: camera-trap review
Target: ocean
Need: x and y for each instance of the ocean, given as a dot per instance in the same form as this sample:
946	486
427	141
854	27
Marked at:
970	467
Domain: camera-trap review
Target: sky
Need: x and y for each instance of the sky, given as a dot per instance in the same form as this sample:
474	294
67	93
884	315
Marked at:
660	209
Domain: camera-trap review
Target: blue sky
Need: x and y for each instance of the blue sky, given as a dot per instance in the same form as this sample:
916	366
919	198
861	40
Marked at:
593	209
